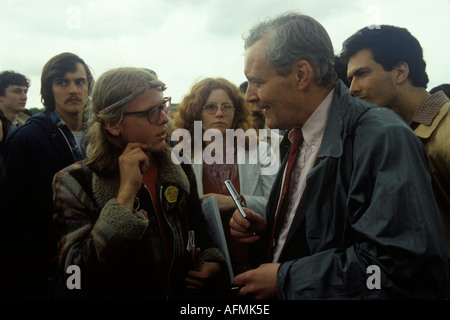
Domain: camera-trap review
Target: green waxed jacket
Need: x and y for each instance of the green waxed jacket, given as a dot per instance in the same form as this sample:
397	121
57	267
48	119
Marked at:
368	202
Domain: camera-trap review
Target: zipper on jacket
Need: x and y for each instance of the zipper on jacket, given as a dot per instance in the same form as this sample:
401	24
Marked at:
167	289
168	293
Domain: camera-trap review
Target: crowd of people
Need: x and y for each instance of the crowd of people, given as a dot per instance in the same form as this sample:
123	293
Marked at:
359	178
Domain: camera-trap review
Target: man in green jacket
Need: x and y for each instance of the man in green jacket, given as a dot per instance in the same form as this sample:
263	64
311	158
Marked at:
360	220
386	67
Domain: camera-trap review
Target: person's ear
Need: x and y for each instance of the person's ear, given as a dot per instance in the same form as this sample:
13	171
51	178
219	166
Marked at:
401	72
113	128
304	73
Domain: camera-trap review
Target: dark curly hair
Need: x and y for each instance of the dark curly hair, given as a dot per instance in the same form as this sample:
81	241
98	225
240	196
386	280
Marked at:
390	46
8	78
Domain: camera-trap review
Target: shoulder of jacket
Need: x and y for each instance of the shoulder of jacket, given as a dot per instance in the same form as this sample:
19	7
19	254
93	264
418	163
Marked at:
440	123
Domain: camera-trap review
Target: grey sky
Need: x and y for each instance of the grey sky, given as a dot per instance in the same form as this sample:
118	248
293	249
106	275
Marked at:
184	41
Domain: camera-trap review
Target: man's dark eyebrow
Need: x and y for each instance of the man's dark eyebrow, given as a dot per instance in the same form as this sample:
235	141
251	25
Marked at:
358	72
361	70
66	79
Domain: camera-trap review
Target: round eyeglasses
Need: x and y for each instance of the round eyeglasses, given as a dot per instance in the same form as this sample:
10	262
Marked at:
154	113
211	108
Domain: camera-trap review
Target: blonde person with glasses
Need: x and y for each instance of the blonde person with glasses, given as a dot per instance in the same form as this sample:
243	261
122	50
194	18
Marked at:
218	106
125	215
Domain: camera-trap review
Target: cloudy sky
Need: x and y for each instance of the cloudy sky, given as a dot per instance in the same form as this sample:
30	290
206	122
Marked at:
187	40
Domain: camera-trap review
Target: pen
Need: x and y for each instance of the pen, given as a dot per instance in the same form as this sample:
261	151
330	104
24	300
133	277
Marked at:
235	287
236	198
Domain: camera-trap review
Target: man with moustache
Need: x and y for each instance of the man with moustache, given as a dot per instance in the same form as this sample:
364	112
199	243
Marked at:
33	153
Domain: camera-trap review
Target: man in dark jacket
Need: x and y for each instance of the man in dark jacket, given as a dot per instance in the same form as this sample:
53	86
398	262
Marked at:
358	219
387	68
33	153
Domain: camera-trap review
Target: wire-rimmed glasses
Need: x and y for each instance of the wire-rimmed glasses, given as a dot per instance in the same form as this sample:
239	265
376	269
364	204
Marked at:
211	108
154	113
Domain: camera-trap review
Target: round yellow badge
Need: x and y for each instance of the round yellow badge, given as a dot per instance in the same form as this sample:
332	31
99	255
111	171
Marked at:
171	194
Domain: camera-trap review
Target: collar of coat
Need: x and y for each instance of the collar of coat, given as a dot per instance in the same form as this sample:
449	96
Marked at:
345	112
425	131
170	173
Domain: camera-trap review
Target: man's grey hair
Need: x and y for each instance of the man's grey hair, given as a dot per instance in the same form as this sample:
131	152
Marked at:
293	37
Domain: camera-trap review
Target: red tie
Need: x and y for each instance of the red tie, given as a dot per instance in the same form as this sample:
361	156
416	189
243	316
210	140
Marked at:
282	207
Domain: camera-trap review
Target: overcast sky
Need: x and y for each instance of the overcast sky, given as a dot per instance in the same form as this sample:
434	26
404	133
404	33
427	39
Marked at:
185	41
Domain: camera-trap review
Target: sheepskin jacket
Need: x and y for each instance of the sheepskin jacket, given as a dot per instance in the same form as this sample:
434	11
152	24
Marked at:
121	254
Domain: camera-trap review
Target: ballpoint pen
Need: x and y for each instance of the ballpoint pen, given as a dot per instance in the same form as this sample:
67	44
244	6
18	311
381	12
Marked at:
236	199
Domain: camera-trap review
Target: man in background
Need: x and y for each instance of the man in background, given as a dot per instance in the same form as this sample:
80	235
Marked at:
445	87
33	153
386	67
13	99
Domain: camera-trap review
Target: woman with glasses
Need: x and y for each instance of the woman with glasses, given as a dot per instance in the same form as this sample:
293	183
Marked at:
126	215
219	106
